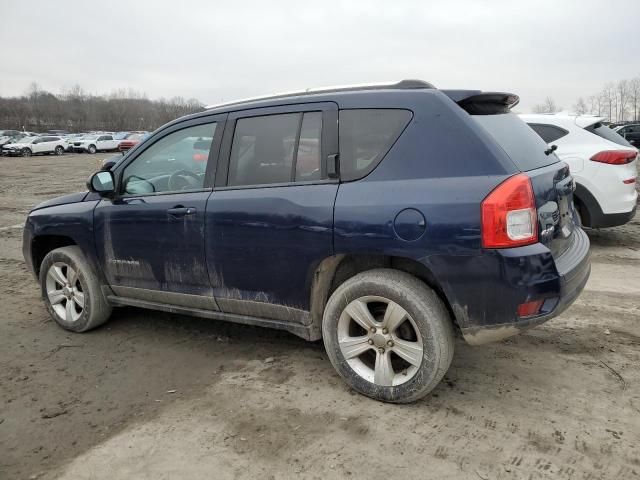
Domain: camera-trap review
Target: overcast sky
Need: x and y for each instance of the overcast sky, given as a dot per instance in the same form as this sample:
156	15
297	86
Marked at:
217	51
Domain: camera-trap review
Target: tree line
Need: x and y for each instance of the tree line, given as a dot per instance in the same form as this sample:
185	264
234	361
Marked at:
617	101
75	110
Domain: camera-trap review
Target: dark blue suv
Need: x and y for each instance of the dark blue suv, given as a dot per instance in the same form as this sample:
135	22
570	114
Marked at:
381	219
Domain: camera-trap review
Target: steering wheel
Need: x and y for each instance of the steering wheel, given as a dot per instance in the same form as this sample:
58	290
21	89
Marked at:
183	180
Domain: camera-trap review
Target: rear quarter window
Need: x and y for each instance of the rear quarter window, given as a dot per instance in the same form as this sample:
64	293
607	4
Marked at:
548	133
605	132
366	135
524	147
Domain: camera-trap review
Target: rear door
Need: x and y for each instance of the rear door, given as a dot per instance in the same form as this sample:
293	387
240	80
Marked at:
106	142
269	221
552	183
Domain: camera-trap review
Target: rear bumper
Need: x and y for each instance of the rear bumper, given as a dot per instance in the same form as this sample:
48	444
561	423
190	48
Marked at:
593	215
485	300
605	220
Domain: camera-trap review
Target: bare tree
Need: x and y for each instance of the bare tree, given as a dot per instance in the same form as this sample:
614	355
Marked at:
549	106
75	109
580	107
595	103
608	95
622	94
634	97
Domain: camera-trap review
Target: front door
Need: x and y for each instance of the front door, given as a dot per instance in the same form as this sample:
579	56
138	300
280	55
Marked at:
269	221
150	239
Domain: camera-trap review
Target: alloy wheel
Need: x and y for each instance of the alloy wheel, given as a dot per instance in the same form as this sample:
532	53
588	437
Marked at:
380	341
65	292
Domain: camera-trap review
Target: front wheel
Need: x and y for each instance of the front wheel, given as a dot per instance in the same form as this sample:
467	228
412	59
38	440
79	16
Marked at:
71	290
92	149
388	335
26	152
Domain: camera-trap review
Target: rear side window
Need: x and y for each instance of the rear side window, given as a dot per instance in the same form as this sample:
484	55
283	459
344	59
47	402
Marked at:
524	147
276	149
605	132
366	135
548	133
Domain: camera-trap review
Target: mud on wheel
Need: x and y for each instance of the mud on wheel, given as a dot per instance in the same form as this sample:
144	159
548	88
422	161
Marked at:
71	290
388	335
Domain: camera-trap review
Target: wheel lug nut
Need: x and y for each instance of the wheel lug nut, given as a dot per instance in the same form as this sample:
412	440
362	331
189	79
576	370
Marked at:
385	331
372	329
370	342
381	350
390	343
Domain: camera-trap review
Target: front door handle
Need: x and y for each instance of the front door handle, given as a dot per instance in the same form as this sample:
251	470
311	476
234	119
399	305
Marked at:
180	211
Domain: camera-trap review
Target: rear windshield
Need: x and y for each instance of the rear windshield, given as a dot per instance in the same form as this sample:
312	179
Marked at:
517	139
605	132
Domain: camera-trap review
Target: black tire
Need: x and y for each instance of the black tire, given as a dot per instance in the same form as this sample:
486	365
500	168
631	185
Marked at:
429	315
59	150
92	149
26	152
96	309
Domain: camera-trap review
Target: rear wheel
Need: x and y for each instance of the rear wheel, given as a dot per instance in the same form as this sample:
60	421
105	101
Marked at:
388	335
59	150
71	290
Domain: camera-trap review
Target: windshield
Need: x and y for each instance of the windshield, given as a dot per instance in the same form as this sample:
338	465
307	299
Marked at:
523	145
89	137
26	140
134	136
605	132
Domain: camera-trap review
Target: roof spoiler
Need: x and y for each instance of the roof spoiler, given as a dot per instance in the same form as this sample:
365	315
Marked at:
476	102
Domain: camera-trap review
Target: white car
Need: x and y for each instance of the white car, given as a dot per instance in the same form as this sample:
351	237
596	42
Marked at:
95	143
602	163
28	146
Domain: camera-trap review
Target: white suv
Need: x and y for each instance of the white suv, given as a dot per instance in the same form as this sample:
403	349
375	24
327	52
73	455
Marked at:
602	163
28	146
95	143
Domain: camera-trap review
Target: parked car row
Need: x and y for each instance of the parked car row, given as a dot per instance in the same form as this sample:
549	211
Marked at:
15	142
33	145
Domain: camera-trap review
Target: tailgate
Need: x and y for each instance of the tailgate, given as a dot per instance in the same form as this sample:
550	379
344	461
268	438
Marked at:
552	183
553	187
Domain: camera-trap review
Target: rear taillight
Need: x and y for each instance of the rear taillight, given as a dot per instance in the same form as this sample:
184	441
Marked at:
509	214
614	157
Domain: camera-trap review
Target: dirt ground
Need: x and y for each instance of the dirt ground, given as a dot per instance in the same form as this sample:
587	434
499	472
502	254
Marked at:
156	396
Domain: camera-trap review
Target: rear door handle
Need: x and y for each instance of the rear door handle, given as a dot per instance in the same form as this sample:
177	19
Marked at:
180	211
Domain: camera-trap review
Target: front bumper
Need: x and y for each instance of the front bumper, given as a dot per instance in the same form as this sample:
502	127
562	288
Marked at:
12	153
485	291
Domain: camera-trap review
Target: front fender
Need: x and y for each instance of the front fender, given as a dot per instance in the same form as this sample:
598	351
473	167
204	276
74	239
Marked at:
73	221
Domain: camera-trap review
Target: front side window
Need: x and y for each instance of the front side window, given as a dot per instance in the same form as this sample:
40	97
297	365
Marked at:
366	135
276	149
174	163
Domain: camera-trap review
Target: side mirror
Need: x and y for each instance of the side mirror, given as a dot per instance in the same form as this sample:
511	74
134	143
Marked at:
102	183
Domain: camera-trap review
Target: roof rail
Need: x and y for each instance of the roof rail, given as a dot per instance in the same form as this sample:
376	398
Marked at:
397	85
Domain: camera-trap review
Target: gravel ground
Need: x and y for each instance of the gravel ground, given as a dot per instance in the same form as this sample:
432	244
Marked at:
152	395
